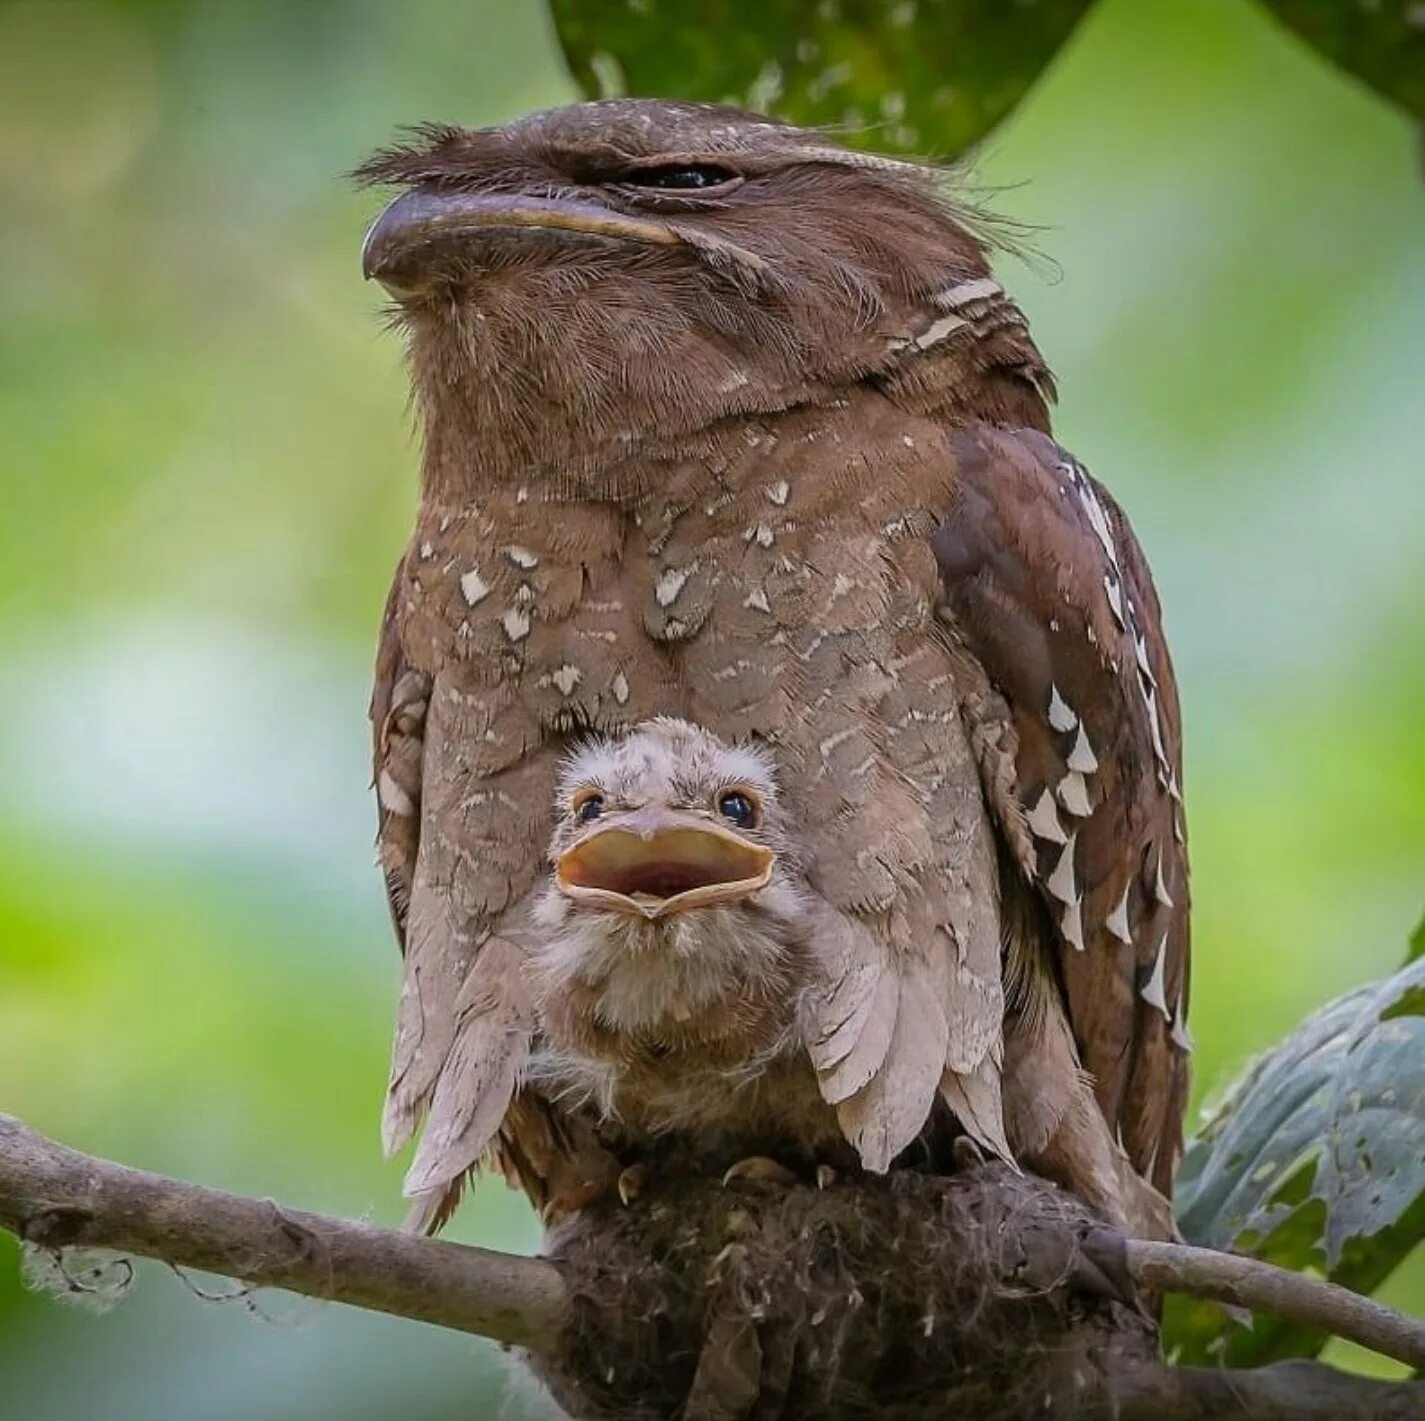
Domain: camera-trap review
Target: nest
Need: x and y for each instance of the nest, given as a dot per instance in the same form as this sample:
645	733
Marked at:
985	1296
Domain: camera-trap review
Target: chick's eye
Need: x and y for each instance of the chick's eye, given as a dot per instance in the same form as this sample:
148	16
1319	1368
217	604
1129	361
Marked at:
738	807
588	808
680	176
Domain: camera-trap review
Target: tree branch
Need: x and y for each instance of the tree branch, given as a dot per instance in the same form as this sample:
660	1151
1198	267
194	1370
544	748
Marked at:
1265	1288
56	1198
1284	1391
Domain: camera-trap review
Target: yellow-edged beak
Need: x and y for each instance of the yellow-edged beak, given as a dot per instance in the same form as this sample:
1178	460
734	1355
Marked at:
653	863
419	226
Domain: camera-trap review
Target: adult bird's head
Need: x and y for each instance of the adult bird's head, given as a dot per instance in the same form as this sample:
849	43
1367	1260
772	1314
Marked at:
592	280
673	883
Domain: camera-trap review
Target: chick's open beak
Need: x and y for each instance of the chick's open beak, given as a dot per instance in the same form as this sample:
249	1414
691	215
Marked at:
422	229
653	863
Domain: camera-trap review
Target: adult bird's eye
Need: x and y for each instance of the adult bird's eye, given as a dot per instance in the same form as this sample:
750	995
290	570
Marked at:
679	177
739	807
588	808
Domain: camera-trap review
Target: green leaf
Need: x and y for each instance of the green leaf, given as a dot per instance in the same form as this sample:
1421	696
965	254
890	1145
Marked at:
923	76
1382	43
1417	944
1316	1159
1411	1003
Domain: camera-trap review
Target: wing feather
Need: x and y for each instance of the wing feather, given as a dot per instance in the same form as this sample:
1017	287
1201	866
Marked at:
400	699
455	877
882	1118
976	1098
904	865
478	1078
1047	588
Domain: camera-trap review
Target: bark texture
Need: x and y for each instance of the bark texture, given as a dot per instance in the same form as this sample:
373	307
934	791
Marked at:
56	1198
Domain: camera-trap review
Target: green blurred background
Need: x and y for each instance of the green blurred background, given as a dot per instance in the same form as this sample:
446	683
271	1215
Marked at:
209	471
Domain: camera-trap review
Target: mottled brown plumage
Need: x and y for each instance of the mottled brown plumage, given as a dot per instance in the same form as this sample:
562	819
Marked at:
726	423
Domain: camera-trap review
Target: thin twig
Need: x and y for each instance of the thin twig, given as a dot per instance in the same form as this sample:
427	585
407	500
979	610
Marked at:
1265	1288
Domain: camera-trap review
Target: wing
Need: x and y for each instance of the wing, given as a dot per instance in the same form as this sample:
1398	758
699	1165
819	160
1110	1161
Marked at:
464	1020
400	698
1047	588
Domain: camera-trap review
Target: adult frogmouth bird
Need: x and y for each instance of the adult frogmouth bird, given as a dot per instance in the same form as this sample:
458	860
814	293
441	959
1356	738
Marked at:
724	422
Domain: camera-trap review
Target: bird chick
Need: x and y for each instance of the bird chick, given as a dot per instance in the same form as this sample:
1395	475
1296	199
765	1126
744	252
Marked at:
671	947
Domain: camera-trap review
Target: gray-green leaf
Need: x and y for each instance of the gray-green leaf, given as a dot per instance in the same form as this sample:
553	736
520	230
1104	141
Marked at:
1317	1156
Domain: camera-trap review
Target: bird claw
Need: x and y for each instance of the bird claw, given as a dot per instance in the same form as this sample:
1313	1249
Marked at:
570	1200
965	1153
759	1170
631	1183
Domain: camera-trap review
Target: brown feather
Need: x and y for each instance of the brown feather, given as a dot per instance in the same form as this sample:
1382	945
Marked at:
478	1077
399	701
976	1098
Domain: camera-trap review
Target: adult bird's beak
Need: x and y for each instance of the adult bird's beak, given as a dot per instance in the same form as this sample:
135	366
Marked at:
422	229
653	862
